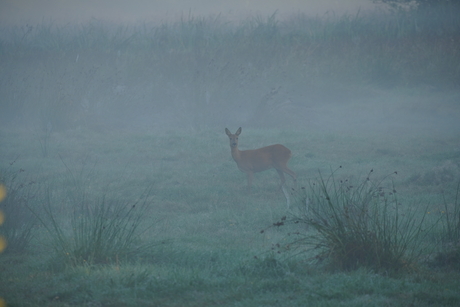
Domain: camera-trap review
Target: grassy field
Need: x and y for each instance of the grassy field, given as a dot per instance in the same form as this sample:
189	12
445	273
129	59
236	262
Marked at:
204	226
121	189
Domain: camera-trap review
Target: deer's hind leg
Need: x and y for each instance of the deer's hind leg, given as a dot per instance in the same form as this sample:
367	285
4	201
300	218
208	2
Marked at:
283	179
289	172
250	178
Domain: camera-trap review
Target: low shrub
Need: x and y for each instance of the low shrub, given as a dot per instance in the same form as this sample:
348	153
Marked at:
93	229
108	232
353	226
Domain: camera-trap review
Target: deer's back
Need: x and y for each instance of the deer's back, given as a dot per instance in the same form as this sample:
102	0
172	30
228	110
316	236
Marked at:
257	160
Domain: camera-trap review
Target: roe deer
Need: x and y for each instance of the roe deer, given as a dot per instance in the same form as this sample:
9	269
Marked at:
258	160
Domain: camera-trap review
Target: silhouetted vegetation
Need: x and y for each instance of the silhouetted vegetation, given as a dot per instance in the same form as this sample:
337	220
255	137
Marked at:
59	77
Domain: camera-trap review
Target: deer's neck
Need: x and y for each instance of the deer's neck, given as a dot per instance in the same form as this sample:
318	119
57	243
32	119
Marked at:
235	153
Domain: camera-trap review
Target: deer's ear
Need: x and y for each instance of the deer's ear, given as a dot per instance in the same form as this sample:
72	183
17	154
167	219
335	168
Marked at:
227	131
238	131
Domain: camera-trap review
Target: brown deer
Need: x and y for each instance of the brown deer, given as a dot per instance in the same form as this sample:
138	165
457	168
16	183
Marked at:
258	160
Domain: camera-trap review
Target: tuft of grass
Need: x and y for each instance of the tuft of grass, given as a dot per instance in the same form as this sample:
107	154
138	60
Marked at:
363	225
100	229
449	256
452	218
107	233
19	222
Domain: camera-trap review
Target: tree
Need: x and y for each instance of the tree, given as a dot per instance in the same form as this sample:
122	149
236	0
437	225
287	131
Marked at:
420	4
438	17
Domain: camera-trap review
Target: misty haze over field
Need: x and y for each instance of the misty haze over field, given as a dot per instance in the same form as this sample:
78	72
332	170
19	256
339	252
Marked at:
118	186
199	71
62	12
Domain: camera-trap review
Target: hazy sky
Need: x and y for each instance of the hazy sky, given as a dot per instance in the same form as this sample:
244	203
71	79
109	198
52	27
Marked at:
58	11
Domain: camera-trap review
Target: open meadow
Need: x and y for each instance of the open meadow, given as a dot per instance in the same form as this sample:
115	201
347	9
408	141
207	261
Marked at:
121	189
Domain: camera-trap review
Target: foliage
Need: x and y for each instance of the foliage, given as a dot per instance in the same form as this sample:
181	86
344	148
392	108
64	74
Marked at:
450	250
420	4
83	76
452	218
19	222
432	17
100	230
360	225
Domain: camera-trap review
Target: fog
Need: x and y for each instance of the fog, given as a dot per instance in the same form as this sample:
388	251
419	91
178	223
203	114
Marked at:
64	11
292	65
112	116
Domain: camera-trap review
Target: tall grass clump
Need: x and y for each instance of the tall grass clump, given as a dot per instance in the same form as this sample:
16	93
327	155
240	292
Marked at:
94	228
107	231
19	222
363	225
450	220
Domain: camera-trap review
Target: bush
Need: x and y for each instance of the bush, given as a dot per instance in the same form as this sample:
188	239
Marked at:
107	233
357	226
99	230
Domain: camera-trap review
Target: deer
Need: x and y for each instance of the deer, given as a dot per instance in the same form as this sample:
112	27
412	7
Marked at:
261	159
